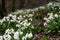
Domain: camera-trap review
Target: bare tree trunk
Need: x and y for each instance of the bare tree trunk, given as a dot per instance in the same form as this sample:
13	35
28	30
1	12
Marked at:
3	11
13	5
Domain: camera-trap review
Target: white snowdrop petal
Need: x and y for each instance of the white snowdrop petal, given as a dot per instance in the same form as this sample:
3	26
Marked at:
1	37
16	35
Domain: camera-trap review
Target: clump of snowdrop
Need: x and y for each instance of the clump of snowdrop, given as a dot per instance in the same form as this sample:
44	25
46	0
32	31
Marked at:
50	17
19	23
28	35
7	37
9	31
53	24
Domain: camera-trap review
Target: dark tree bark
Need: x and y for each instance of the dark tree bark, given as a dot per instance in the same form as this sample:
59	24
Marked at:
13	5
2	9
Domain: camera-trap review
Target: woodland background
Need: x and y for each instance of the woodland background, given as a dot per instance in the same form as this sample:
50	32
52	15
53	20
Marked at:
7	6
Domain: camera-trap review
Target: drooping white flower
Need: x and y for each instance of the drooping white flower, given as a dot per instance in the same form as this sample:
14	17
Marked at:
30	15
12	20
21	33
10	15
45	24
4	19
23	38
47	20
7	37
50	16
9	31
30	19
17	25
42	7
1	37
16	35
30	35
56	15
26	36
49	4
1	21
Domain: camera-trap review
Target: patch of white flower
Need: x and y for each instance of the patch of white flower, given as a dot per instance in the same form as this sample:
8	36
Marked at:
28	35
21	25
50	16
7	37
9	31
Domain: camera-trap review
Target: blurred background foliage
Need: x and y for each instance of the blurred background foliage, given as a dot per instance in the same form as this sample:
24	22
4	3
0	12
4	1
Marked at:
7	6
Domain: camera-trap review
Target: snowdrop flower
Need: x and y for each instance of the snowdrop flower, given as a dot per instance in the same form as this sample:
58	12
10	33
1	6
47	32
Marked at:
1	37
7	18
49	4
7	37
30	19
42	7
48	14
30	15
21	33
30	35
26	36
1	21
17	25
18	18
56	15
16	35
9	31
45	24
4	19
23	38
12	20
51	16
10	15
14	17
26	24
46	19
